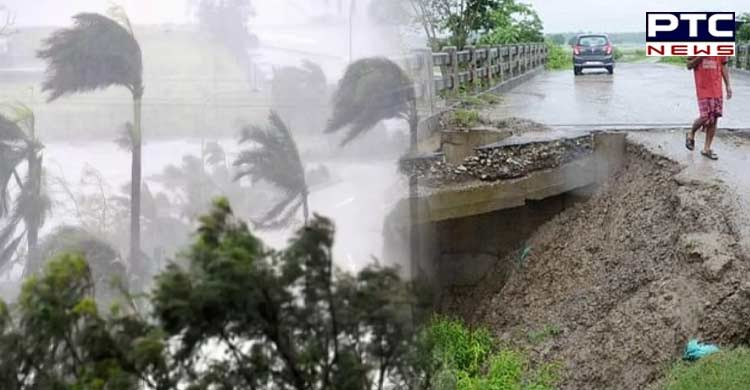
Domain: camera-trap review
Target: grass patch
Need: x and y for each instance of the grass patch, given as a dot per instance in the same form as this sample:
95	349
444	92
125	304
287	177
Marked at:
464	119
630	55
558	57
679	61
726	370
478	101
541	335
470	359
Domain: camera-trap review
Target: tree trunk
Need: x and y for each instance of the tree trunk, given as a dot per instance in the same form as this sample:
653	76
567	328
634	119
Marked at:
135	193
305	207
33	221
414	236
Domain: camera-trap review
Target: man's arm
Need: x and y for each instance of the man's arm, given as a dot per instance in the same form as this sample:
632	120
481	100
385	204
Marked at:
725	76
693	62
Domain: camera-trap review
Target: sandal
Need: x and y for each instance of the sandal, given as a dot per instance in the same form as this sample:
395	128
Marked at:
689	142
710	154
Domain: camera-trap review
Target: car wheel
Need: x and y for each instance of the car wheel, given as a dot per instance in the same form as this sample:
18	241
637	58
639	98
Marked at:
576	71
611	69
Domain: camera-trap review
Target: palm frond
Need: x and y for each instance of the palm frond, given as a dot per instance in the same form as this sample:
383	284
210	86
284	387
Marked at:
126	137
13	151
7	252
372	90
214	153
279	216
23	116
274	159
33	206
9	237
96	53
10	131
118	14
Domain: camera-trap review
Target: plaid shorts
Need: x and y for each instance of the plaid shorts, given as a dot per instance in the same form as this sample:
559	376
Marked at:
711	108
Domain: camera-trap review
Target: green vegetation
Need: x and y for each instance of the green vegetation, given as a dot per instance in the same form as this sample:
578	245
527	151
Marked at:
726	370
470	359
743	29
546	332
467	101
626	38
477	22
679	61
24	202
630	54
239	315
558	57
513	22
464	119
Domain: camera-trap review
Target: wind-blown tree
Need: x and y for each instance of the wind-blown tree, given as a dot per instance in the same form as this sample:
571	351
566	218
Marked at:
373	90
297	95
226	21
97	53
275	159
19	145
283	320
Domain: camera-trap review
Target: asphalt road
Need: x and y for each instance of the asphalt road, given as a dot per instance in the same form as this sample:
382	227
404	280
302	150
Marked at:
645	94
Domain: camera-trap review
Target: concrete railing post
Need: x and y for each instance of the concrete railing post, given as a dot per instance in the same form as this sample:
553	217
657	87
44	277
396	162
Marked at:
453	67
472	68
504	60
487	66
426	77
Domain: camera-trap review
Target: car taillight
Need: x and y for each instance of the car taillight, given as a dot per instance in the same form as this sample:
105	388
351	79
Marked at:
609	48
577	50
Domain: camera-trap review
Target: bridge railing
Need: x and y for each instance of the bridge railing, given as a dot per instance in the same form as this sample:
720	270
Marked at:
439	76
741	60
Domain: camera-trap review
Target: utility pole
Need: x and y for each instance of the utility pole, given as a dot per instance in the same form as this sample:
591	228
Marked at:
351	28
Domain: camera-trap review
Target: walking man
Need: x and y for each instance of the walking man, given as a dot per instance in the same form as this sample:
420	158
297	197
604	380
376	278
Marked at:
709	73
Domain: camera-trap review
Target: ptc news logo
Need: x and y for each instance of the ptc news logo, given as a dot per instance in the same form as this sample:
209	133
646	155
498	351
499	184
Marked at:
690	34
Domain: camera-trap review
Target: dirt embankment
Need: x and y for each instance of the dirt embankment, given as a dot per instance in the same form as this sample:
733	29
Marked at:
614	287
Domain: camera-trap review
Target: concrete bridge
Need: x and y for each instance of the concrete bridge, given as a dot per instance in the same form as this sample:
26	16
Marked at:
466	228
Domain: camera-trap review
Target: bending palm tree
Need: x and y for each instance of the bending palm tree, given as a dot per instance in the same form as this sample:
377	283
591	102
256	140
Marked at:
373	90
18	144
96	53
275	160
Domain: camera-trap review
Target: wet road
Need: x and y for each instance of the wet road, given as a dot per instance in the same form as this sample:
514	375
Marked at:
648	94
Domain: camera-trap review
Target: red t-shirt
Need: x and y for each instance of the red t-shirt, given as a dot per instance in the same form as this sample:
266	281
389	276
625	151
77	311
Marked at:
708	77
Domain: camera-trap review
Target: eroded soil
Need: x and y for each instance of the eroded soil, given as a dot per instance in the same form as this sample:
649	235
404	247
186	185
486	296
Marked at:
613	288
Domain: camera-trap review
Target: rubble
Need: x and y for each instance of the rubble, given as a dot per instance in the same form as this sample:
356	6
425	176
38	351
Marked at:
501	163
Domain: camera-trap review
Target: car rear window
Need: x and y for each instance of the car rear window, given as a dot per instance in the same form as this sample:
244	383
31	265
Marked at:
592	41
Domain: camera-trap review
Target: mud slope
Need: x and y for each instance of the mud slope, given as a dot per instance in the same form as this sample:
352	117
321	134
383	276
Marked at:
614	287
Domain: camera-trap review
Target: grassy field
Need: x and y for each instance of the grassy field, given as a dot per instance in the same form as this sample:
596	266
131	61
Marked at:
192	87
561	57
726	370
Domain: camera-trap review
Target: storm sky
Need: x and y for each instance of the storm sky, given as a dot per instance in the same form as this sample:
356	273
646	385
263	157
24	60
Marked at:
558	15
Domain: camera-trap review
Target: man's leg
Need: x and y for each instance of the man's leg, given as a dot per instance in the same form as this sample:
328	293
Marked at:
710	132
697	124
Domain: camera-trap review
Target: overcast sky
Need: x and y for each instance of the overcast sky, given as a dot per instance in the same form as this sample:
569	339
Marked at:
558	15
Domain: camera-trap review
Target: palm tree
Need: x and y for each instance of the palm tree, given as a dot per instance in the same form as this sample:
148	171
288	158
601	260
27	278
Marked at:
373	90
275	160
19	144
96	53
